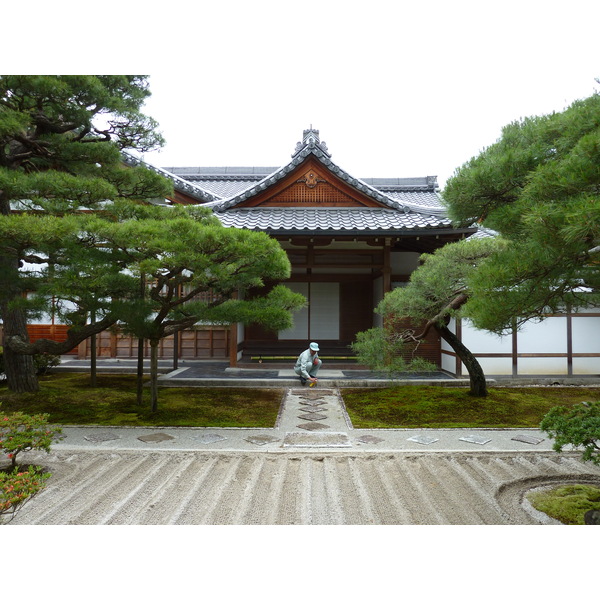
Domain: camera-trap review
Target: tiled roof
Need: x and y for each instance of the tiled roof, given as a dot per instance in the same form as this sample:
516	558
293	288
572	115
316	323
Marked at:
315	149
409	203
178	183
297	220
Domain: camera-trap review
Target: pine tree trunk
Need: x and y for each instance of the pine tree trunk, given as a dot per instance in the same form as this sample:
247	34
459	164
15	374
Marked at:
140	372
476	374
20	369
93	362
154	375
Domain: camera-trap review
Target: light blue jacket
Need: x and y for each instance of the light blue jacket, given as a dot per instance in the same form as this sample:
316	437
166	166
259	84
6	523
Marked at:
305	363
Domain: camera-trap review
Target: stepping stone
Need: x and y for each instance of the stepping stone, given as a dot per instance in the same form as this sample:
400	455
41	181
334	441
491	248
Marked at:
423	439
316	440
475	439
312	417
101	437
155	438
312	409
527	439
313	426
261	440
210	438
312	402
369	439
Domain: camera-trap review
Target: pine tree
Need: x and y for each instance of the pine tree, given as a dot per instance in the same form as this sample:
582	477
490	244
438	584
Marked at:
61	139
539	187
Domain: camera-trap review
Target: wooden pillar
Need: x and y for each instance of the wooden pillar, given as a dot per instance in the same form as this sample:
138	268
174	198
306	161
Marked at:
515	350
233	342
387	267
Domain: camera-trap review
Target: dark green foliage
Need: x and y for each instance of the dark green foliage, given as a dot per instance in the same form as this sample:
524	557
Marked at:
539	186
578	426
61	139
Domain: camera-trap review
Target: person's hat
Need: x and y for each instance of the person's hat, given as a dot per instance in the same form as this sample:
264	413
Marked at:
314	346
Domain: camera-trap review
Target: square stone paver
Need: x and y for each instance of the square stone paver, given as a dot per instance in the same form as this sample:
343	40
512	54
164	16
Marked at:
155	438
313	426
312	417
261	440
527	439
475	439
423	439
101	437
210	438
312	396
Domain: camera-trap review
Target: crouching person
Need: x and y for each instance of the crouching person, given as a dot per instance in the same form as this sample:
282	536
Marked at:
308	365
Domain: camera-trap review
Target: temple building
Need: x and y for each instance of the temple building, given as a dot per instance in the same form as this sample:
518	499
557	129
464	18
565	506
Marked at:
349	241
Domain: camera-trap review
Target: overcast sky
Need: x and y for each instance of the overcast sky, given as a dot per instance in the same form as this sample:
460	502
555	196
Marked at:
397	89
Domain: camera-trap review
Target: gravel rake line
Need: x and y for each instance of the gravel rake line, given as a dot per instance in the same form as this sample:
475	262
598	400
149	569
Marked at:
281	488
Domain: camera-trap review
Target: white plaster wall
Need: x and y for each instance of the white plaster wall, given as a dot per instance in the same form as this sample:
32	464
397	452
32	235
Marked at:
549	335
325	310
586	334
45	319
494	366
449	363
542	366
300	329
477	340
586	365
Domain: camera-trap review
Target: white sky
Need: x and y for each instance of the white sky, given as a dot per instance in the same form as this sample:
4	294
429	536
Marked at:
396	88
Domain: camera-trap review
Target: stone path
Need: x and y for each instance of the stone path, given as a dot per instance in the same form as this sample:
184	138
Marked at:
310	419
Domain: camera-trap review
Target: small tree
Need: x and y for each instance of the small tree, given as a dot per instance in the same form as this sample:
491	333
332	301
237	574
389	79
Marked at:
20	432
17	487
437	291
578	427
195	270
384	349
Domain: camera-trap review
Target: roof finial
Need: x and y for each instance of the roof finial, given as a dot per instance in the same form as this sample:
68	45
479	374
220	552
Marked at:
310	138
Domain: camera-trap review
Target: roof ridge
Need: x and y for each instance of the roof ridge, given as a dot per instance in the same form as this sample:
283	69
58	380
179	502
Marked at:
179	183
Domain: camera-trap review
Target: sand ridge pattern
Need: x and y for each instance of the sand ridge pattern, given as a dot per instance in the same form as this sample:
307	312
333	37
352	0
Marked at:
195	488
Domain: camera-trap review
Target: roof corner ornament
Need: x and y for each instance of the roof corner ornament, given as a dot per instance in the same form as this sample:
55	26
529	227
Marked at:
310	139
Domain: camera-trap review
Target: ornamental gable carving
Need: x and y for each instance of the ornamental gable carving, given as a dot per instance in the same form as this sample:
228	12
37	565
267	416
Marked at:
311	184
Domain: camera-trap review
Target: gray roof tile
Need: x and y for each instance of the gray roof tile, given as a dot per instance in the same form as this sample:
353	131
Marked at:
328	219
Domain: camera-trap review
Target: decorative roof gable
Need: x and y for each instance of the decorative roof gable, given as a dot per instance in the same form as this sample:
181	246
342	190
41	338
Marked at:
310	184
317	179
